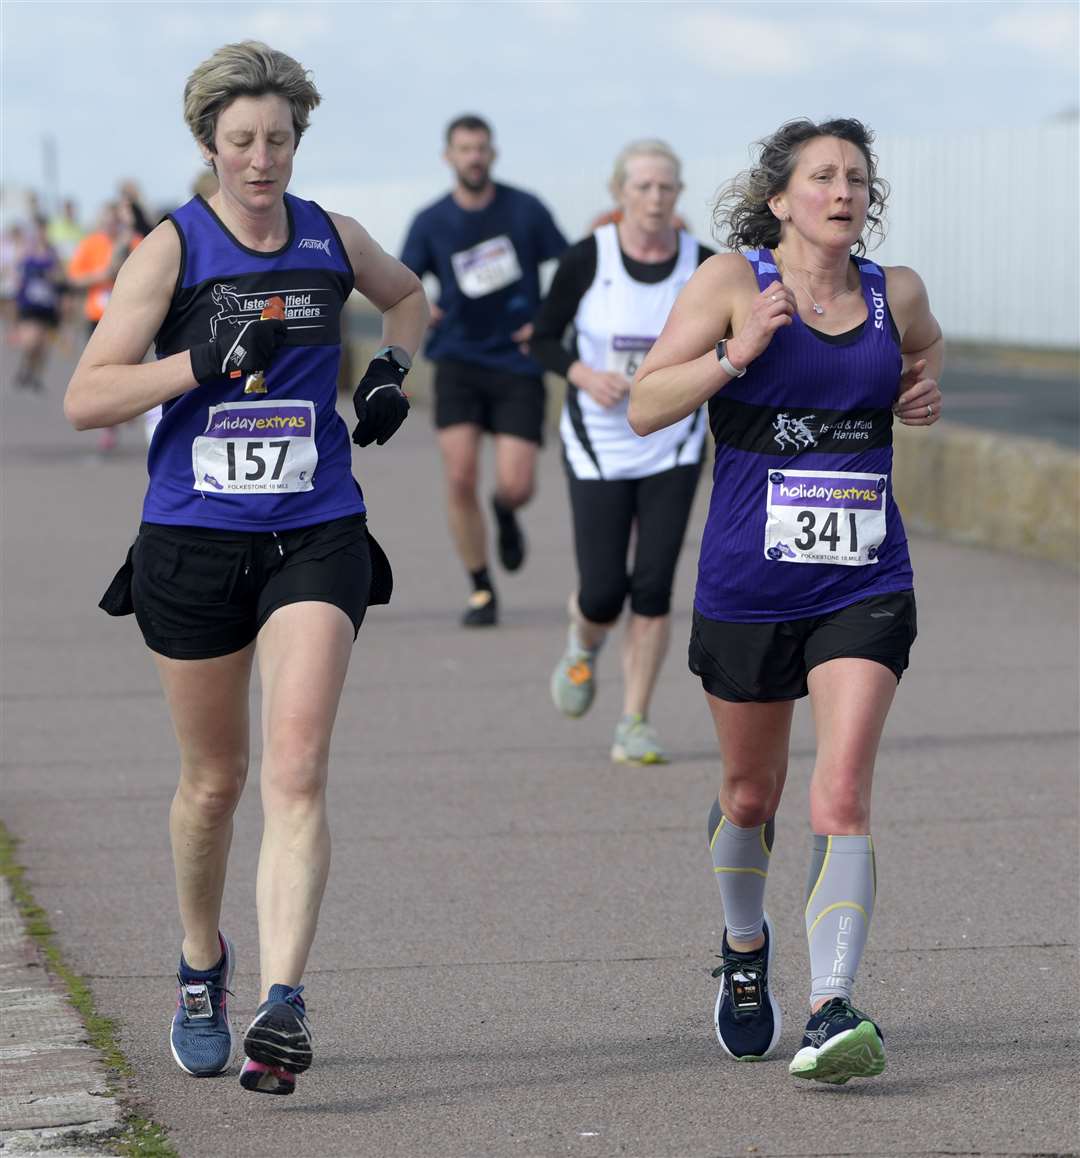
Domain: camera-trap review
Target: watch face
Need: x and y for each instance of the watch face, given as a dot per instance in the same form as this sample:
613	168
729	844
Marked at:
397	355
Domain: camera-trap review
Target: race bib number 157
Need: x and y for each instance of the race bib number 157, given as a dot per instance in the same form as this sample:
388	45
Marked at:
822	516
256	448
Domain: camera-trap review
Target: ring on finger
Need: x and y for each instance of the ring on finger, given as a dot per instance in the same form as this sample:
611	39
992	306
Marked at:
929	411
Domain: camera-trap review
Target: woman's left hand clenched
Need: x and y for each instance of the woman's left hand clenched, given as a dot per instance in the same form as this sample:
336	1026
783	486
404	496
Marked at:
919	400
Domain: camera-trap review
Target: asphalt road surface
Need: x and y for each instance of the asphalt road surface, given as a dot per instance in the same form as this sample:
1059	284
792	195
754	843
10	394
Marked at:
515	946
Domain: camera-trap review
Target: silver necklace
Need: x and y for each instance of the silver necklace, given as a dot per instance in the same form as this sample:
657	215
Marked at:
814	304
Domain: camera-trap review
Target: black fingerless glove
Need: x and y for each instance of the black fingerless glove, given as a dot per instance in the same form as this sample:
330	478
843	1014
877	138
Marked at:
238	349
380	403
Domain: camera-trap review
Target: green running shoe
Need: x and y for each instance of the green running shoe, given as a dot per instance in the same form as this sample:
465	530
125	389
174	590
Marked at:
636	742
573	682
840	1043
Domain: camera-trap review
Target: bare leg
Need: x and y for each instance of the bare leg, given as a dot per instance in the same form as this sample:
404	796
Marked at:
645	644
850	700
208	701
590	635
303	653
460	446
515	470
754	741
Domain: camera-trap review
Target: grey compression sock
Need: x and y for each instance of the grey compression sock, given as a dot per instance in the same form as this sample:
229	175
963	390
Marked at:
740	859
839	906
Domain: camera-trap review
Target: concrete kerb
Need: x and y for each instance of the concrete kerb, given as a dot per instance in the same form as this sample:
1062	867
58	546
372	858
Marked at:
56	1096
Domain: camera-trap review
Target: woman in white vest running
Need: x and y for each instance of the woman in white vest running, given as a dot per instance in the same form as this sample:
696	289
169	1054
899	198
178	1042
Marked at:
616	288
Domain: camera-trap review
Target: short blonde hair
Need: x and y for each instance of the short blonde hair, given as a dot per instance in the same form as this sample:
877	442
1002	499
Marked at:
647	147
249	68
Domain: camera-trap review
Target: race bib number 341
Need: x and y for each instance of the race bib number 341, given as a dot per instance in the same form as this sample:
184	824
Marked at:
256	448
822	516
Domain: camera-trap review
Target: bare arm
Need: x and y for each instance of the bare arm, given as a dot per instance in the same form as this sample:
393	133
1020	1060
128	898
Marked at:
922	346
682	371
111	383
392	288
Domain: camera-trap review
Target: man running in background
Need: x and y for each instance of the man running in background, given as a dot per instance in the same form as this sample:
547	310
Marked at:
485	242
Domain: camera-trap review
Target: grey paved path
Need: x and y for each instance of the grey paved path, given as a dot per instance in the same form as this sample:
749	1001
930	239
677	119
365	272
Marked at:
514	951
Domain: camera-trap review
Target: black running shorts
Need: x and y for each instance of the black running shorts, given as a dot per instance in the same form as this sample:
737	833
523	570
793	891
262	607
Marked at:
763	662
494	400
199	593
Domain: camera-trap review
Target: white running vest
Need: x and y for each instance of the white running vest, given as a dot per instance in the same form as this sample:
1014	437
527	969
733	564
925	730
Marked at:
617	322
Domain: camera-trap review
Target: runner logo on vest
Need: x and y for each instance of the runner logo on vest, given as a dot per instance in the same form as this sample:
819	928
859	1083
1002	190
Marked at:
793	432
304	308
312	243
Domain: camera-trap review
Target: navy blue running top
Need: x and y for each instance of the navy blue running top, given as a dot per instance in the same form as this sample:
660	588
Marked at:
264	461
802	519
486	261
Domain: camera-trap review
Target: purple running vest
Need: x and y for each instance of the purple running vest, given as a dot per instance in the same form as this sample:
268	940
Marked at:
802	519
269	461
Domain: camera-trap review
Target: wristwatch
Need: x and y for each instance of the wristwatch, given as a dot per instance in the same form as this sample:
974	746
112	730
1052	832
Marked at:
725	363
396	356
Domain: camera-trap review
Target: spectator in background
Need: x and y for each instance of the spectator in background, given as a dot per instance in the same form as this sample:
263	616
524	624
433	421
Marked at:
64	230
130	195
12	245
93	268
37	300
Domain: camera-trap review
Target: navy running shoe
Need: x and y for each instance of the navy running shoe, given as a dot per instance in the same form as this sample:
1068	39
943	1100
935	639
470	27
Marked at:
201	1036
746	1017
840	1043
278	1038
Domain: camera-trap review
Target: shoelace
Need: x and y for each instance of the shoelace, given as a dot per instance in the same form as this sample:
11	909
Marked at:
209	985
755	965
293	998
838	1009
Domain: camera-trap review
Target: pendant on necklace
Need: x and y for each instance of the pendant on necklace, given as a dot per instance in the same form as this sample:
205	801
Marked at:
817	309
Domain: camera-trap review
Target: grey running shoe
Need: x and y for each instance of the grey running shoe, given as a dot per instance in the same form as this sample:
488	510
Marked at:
573	682
636	742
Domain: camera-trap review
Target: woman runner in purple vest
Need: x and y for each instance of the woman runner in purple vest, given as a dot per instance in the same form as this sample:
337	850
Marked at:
805	353
254	543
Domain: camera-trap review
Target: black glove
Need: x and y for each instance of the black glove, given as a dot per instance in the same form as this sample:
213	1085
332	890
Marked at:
380	403
238	349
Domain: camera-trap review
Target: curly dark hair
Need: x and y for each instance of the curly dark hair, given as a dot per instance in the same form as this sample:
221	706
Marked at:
742	218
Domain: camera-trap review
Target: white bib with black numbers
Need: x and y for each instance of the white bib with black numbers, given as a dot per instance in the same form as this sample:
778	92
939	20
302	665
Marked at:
825	516
485	268
256	448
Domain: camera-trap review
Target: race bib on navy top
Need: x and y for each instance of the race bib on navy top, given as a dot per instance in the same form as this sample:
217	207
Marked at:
487	262
218	458
803	471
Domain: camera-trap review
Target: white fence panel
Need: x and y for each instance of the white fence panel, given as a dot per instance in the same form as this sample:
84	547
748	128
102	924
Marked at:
992	223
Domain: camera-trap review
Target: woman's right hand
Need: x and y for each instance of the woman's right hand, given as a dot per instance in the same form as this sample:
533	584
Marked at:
773	308
604	387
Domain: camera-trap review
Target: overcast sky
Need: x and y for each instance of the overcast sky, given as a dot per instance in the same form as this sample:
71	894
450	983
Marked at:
566	84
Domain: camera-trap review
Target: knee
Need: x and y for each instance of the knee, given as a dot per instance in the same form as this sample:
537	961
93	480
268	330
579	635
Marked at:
461	481
842	807
211	794
650	600
602	602
294	764
750	800
514	493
